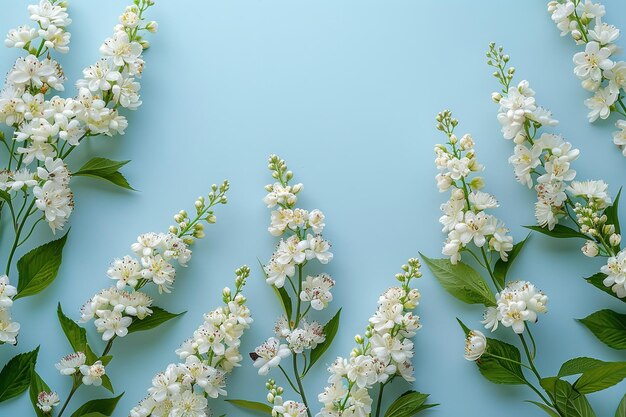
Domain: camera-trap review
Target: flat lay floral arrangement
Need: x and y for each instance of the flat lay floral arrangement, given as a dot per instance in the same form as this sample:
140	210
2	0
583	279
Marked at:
374	373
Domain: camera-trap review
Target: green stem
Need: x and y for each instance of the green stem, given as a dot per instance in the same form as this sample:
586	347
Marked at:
69	397
108	346
300	387
534	370
17	238
489	270
508	360
379	400
289	379
298	302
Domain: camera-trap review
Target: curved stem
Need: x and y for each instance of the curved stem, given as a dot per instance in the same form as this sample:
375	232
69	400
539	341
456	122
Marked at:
69	397
289	379
380	399
108	347
300	387
17	238
508	360
534	370
489	270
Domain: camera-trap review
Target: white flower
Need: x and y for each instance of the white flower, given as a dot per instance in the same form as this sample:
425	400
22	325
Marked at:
111	323
316	290
600	104
590	249
30	70
54	170
475	345
159	271
318	248
591	62
619	137
291	250
604	33
20	179
316	221
165	384
189	404
18	38
276	273
475	226
361	371
56	201
92	374
592	190
126	271
515	107
147	243
524	161
47	13
279	221
121	49
288	408
68	365
56	38
615	271
454	212
7	292
491	318
501	242
617	76
482	201
269	355
100	75
386	347
8	329
47	400
518	303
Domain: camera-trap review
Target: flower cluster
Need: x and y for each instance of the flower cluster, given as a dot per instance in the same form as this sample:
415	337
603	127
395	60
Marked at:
598	71
281	408
519	302
8	329
382	355
301	242
47	129
544	161
464	217
208	356
114	309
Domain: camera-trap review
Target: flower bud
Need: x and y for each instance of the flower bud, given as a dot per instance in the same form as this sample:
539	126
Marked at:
477	183
590	249
296	188
453	139
615	239
211	218
458	194
358	339
152	27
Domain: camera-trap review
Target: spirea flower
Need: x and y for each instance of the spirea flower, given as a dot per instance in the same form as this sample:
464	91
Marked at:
475	345
518	303
269	355
92	374
69	365
47	400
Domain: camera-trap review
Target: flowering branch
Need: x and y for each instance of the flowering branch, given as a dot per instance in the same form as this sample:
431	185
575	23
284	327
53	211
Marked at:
211	354
124	309
565	208
382	355
296	335
35	182
513	304
598	72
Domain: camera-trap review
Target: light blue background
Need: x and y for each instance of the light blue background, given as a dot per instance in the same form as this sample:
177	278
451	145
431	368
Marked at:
346	92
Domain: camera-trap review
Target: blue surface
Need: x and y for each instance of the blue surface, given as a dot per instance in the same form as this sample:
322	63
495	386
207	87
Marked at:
346	92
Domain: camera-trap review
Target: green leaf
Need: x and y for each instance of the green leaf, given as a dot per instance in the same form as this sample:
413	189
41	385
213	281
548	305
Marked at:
105	169
569	402
578	366
545	408
461	281
608	326
252	405
501	267
106	359
158	317
501	371
39	267
16	375
559	231
597	281
621	408
36	386
408	404
104	406
612	214
601	377
106	383
76	335
466	329
330	330
5	196
549	383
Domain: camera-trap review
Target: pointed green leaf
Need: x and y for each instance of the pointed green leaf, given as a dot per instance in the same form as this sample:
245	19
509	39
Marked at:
16	375
158	317
104	406
501	267
608	326
282	295
461	281
105	169
597	280
76	335
39	267
408	404
601	377
252	405
37	385
106	383
612	213
464	327
559	231
578	366
330	330
498	370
